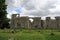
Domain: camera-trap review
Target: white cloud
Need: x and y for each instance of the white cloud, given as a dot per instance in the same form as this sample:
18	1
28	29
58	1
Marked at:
10	13
33	8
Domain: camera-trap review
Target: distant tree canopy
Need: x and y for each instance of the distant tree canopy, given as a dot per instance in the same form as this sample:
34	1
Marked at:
4	21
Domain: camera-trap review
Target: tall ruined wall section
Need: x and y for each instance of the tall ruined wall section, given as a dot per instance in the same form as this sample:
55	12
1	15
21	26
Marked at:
42	24
37	22
19	22
24	22
48	22
13	21
53	24
58	22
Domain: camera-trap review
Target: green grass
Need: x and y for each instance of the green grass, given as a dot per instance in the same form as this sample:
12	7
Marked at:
30	35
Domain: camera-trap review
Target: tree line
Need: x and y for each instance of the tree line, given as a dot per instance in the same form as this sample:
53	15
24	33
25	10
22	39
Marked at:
4	21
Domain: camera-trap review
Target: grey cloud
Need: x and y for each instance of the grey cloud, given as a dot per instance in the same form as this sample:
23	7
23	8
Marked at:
43	10
29	6
57	13
10	3
37	13
49	5
24	2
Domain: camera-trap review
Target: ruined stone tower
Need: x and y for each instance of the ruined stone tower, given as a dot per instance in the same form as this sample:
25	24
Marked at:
58	22
48	22
51	23
13	21
19	22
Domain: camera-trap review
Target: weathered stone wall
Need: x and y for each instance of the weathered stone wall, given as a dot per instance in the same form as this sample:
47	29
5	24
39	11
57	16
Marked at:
24	22
53	24
48	22
58	22
18	22
42	24
37	22
13	21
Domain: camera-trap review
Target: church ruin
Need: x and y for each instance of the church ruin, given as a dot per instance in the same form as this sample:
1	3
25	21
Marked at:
24	22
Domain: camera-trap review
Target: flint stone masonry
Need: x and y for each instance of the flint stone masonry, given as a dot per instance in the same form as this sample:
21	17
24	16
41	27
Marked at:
48	22
58	22
37	22
24	22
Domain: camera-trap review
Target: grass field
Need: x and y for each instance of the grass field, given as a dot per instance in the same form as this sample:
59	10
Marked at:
30	35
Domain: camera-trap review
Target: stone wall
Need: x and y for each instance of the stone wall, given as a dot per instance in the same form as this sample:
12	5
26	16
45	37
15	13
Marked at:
13	21
24	22
58	22
48	22
51	23
37	22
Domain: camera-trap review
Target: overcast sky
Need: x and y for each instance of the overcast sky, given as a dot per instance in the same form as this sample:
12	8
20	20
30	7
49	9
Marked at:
34	8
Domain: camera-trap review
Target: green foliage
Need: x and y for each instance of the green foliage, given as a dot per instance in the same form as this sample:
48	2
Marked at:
34	35
3	19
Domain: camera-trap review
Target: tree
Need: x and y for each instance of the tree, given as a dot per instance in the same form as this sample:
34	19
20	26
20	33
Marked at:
4	22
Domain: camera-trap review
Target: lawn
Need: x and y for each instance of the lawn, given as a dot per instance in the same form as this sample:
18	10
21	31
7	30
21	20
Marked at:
30	35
